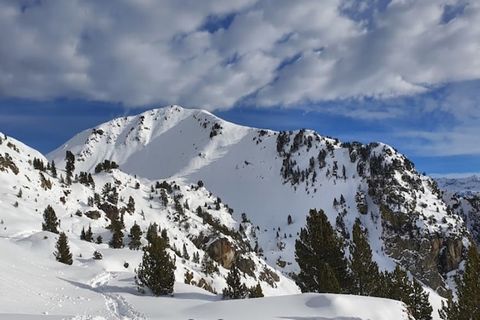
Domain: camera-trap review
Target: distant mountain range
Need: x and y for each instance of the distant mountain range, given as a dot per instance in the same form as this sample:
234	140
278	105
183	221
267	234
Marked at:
469	184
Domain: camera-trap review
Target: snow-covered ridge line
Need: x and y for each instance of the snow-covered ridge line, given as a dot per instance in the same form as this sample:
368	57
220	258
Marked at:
271	175
264	176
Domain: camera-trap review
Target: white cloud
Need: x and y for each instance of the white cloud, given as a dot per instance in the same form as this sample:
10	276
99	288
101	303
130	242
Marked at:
149	52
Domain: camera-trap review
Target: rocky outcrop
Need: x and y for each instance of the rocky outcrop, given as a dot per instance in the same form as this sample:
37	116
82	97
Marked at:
427	258
6	163
222	251
450	254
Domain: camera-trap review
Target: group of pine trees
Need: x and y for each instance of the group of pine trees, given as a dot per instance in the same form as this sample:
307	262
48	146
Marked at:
324	268
236	289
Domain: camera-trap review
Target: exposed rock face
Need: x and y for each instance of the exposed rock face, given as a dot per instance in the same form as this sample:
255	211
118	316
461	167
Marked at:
427	258
451	254
222	251
414	234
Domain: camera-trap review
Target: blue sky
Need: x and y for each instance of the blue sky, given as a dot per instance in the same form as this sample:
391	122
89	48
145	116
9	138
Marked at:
403	72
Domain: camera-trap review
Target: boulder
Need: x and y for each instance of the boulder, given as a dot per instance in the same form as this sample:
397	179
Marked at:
222	251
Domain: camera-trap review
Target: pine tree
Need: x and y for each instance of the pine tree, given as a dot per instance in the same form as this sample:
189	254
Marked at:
384	283
289	219
188	277
131	205
163	197
135	235
320	256
50	222
152	232
365	275
467	304
63	254
89	234
196	257
117	234
69	165
235	288
53	169
208	266
399	286
82	234
185	254
164	235
255	291
156	271
419	307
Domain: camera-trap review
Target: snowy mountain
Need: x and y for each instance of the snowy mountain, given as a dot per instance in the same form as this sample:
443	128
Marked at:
267	176
463	197
466	185
195	221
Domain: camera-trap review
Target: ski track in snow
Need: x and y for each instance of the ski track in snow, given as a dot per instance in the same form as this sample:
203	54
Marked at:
117	306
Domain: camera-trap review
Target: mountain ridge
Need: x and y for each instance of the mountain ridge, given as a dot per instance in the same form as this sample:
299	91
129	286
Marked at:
269	175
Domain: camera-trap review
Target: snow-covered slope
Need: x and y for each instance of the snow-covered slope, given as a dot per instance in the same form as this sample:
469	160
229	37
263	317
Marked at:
105	289
267	176
25	192
35	287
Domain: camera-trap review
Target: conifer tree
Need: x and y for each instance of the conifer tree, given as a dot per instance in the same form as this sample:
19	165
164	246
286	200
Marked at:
235	288
196	257
63	254
156	271
185	254
53	169
135	236
152	232
188	277
50	222
163	197
89	234
320	256
255	291
420	307
90	180
117	234
365	275
164	235
399	286
466	306
131	205
383	287
69	166
208	266
82	234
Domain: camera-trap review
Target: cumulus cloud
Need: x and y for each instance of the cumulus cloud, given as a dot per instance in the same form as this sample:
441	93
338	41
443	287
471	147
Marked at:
264	52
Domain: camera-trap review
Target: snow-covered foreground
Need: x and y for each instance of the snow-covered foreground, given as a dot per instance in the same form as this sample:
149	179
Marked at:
35	287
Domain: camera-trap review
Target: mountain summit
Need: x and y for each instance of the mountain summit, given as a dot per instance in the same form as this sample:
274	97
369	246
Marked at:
268	176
